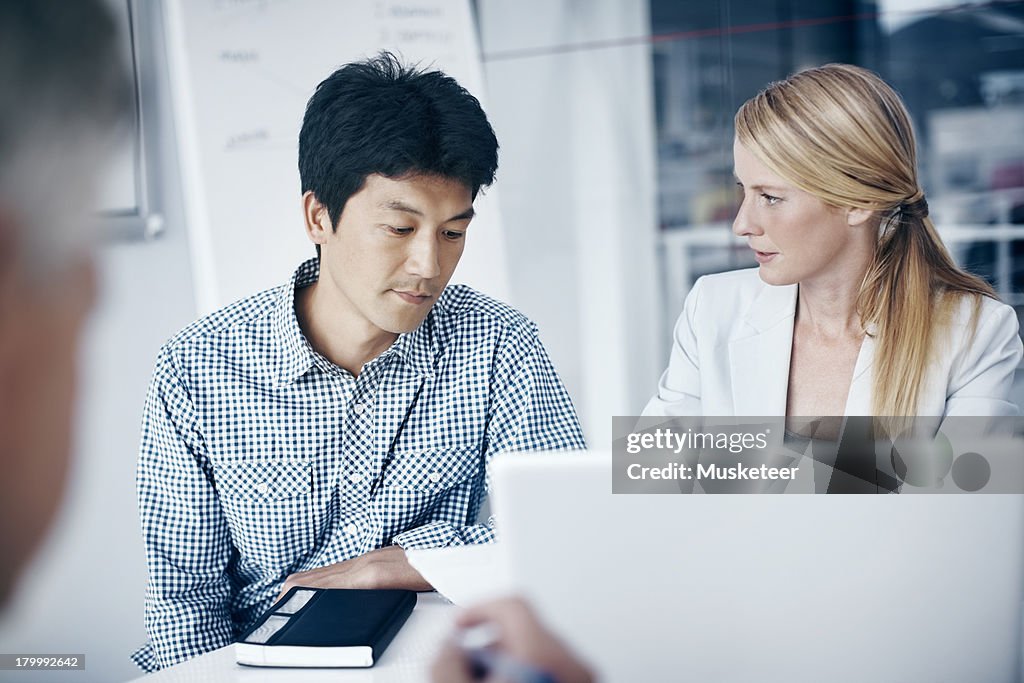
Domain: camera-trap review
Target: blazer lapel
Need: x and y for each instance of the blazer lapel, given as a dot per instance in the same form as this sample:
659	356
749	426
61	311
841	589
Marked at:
858	401
760	352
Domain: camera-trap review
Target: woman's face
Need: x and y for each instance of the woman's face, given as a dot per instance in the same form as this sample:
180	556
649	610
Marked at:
796	237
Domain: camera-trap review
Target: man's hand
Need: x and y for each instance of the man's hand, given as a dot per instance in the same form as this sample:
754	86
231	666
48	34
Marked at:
382	568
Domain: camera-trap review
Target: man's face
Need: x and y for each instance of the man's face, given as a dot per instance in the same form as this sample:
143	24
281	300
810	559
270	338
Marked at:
40	323
395	247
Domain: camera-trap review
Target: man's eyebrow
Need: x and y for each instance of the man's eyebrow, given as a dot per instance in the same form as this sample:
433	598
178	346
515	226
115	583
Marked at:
399	205
464	216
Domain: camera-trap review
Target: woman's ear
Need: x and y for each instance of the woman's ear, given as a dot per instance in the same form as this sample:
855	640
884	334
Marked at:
856	216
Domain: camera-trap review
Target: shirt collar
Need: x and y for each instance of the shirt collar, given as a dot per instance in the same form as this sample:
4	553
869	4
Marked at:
296	355
417	349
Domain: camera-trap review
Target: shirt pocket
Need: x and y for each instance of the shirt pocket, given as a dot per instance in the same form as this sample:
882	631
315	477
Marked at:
428	486
268	506
432	471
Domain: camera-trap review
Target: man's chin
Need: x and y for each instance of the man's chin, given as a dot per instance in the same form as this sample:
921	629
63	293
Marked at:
402	324
398	317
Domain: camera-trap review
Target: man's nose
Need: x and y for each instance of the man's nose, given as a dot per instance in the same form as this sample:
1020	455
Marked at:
422	259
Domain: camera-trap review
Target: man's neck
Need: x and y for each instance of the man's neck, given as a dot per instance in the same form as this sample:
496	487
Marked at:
336	332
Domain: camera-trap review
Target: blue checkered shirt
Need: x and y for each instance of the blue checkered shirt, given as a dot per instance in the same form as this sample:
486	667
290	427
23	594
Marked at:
260	458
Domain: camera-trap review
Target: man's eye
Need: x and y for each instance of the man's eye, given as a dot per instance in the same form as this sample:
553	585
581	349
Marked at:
399	230
454	235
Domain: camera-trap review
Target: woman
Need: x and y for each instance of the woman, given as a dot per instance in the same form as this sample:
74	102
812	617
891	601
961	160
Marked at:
856	307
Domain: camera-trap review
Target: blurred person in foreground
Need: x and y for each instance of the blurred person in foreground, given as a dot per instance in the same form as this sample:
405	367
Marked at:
856	307
63	90
524	644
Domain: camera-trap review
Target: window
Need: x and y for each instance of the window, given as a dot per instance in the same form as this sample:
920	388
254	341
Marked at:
959	68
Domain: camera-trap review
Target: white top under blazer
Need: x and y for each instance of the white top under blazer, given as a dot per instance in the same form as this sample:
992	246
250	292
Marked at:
731	350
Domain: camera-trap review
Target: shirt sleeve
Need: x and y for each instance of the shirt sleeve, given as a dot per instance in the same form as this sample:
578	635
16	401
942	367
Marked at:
186	537
529	410
679	386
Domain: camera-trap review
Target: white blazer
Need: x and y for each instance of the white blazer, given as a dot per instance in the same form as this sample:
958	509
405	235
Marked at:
732	343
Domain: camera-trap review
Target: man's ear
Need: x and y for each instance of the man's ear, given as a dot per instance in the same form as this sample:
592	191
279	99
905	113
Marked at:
317	217
855	216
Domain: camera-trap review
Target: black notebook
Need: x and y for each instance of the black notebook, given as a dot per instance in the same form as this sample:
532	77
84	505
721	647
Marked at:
326	627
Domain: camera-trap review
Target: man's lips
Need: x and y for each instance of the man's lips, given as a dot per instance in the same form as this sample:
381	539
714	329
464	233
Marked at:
413	297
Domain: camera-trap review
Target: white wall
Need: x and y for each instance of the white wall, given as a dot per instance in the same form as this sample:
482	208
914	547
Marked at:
84	591
577	177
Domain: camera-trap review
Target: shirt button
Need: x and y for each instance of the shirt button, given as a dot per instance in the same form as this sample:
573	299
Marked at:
434	477
351	529
359	408
262	488
355	477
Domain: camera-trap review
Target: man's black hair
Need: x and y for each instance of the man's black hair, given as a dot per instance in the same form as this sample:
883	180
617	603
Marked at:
378	116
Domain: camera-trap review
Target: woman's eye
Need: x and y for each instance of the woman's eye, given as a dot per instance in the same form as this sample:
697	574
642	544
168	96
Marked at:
770	200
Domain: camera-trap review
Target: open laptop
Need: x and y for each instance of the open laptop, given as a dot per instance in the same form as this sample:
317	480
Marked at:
763	587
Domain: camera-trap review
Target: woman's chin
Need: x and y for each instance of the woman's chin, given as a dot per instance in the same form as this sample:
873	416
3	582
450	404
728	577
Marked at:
772	276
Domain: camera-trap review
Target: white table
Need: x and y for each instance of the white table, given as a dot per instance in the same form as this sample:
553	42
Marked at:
408	658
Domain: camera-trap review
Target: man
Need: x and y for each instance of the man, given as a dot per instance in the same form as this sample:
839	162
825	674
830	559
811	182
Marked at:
63	89
306	435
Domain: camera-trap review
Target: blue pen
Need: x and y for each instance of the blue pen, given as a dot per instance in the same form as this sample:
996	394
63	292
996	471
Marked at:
486	660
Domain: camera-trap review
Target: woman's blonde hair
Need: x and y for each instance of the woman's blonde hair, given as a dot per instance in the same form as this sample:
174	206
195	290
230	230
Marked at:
840	133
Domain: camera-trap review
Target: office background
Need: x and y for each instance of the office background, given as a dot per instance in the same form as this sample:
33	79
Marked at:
615	192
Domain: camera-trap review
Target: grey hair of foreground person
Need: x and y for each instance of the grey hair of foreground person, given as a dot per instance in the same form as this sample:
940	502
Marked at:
64	90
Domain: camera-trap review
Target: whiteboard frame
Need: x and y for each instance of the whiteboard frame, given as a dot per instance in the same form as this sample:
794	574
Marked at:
143	221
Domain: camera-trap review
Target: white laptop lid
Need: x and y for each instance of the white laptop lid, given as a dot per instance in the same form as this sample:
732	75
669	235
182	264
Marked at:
764	587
